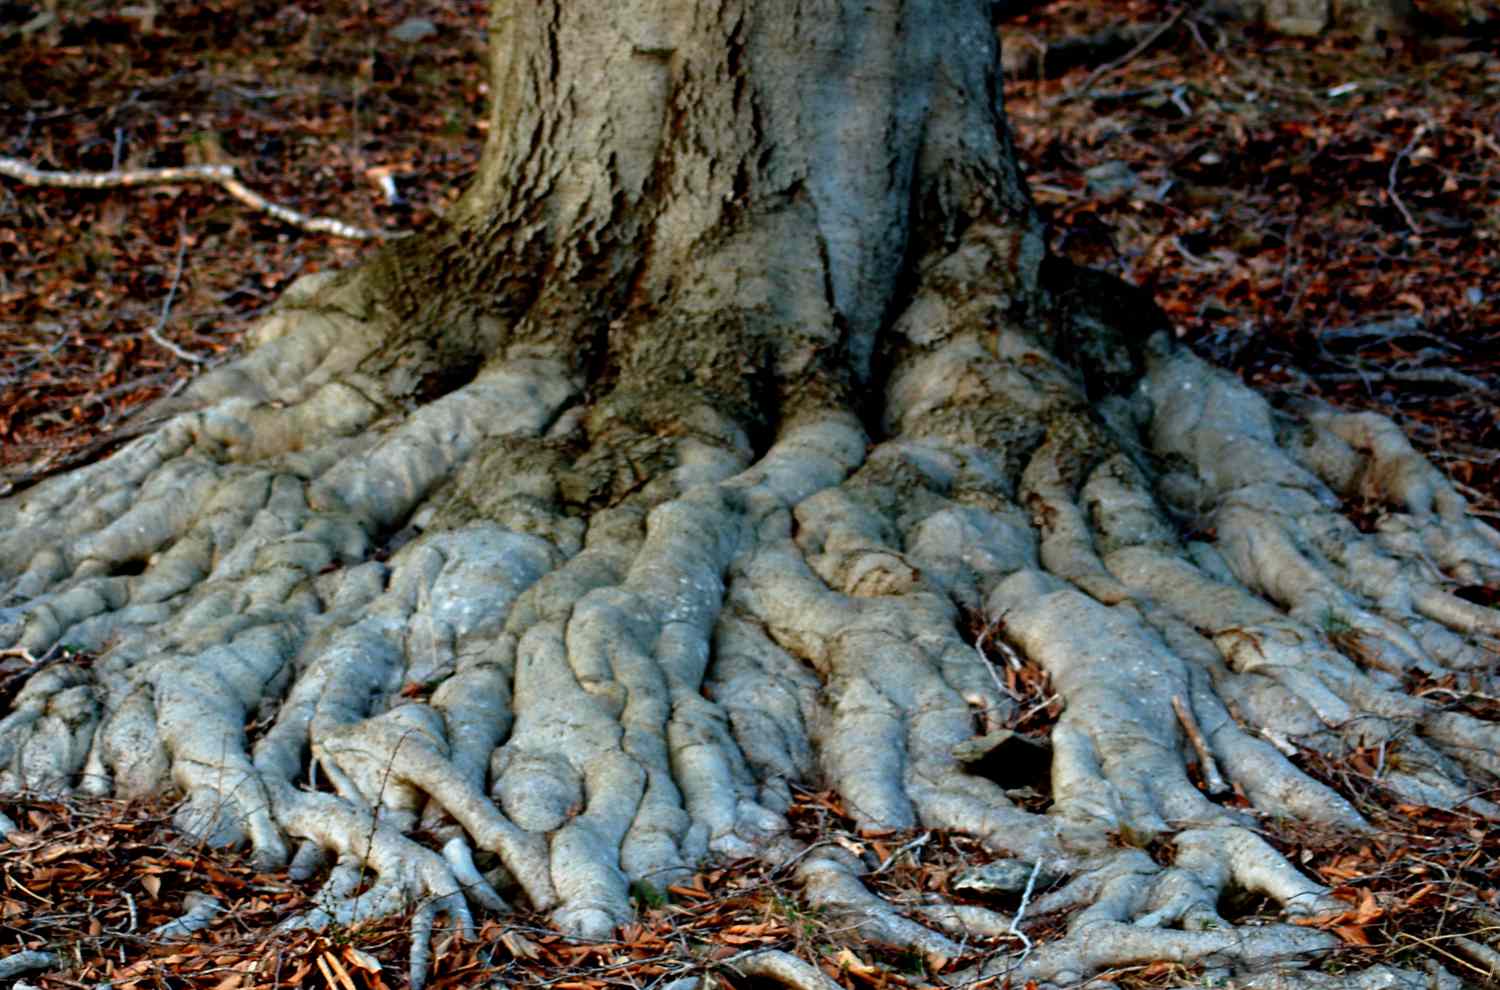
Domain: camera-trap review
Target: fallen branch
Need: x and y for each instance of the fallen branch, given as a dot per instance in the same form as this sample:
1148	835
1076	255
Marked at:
220	175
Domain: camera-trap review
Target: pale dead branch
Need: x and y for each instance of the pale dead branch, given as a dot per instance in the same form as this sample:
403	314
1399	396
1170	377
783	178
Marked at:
224	176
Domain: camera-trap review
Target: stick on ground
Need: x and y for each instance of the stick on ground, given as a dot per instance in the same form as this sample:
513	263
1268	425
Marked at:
220	175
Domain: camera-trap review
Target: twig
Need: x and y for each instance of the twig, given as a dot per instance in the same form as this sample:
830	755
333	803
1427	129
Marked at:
1126	59
135	384
34	664
1432	944
1005	651
1418	376
1458	694
1015	923
1390	182
166	306
1038	707
224	176
1383	330
911	846
1012	658
1281	742
1212	779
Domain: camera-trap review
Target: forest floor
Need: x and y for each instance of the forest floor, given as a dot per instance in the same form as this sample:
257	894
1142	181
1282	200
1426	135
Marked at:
1316	215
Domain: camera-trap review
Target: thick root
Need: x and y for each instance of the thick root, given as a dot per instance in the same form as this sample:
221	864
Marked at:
604	654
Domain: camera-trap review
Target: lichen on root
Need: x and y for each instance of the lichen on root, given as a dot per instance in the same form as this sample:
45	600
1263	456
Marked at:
601	646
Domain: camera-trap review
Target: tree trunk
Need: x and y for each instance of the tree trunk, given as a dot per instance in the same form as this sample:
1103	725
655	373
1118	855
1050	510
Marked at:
675	467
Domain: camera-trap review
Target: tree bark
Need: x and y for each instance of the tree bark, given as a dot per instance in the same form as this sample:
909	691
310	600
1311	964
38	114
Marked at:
670	470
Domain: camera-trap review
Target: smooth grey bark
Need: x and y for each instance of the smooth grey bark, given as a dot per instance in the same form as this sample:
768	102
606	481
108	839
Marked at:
664	474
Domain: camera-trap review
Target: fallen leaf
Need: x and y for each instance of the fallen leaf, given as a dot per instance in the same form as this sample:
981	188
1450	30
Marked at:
360	959
519	946
339	971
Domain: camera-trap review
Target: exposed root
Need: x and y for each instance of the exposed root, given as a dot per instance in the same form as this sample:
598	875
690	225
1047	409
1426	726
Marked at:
1377	977
782	967
201	910
17	963
603	647
1106	944
832	883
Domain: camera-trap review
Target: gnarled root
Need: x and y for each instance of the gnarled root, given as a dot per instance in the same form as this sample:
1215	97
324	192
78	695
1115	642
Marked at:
601	645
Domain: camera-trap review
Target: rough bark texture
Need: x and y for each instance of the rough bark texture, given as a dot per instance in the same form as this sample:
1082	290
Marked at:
666	473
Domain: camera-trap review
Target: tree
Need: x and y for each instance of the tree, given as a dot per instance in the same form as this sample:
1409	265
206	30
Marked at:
687	459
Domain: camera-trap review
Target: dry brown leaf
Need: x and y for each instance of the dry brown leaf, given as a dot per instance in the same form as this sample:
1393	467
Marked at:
328	977
857	848
1369	909
731	938
519	946
847	960
760	928
360	959
338	970
1353	934
58	852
